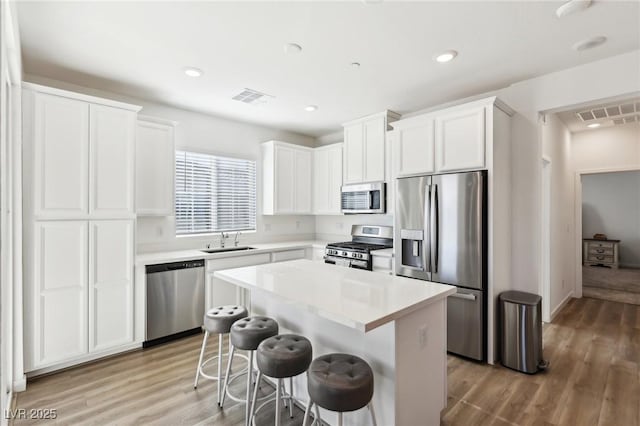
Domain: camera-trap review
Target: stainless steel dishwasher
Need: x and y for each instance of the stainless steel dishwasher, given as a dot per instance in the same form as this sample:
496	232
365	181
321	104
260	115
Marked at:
175	300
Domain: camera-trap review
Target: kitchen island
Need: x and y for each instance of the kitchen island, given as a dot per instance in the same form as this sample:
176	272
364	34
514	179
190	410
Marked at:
398	325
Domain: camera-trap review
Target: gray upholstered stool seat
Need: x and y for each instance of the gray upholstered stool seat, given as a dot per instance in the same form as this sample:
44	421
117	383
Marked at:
218	320
282	356
341	383
248	333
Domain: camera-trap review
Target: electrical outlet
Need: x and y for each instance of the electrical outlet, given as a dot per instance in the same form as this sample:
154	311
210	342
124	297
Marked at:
423	333
267	227
562	283
297	224
339	225
159	231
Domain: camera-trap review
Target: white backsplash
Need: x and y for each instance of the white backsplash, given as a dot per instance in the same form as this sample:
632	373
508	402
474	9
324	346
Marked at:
338	228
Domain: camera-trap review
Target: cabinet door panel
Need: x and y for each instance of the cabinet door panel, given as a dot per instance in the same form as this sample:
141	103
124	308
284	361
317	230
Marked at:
61	144
111	283
353	154
302	182
460	140
112	144
59	295
335	180
321	181
415	150
285	179
374	149
155	168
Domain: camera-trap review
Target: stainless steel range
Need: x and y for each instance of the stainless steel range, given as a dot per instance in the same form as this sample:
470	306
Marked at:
357	252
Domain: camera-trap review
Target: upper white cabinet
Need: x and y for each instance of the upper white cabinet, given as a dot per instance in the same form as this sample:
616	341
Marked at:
364	148
155	167
59	128
327	179
111	144
460	139
79	155
449	140
286	183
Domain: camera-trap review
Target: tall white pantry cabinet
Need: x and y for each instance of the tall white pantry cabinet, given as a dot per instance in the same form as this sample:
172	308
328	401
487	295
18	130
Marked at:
79	187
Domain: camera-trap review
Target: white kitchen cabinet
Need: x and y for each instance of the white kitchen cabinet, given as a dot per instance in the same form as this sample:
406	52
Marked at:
59	129
57	295
155	167
111	145
460	139
218	292
286	183
111	250
413	146
327	179
283	256
364	148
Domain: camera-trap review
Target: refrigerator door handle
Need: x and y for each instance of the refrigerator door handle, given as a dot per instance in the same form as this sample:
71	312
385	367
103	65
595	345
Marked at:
434	228
426	242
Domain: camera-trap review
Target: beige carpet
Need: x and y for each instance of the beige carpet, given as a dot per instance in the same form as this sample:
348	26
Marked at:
617	285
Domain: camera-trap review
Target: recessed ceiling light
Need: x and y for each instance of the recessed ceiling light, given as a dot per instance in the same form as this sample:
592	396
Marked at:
572	7
311	108
292	48
445	56
193	72
589	43
593	125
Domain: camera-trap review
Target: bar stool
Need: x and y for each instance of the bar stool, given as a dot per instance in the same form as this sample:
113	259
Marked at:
217	321
247	334
279	357
340	383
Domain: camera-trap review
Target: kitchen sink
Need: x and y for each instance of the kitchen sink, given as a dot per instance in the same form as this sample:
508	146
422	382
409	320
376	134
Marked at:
226	249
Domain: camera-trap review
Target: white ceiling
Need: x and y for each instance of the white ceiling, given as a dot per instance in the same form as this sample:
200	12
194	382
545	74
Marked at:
140	49
624	112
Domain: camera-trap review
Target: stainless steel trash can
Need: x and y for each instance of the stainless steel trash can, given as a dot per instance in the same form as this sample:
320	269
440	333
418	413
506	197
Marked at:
521	331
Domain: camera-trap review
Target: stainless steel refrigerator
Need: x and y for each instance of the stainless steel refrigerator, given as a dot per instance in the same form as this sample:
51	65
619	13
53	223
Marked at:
441	236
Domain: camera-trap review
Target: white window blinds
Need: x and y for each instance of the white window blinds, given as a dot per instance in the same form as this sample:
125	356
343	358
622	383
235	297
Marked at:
214	194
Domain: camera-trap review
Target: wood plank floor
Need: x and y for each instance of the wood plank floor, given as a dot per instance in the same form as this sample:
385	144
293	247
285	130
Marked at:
616	285
593	379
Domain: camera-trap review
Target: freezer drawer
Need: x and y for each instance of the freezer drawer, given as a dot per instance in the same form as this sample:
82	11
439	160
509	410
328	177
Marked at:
465	324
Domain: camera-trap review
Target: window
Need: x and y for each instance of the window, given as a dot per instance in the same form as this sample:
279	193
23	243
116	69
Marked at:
214	194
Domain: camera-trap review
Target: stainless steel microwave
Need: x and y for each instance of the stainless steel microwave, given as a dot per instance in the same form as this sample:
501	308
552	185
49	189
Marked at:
363	198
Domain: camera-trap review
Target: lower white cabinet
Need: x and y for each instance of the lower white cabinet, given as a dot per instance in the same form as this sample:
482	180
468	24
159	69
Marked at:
282	256
218	292
80	298
110	284
58	294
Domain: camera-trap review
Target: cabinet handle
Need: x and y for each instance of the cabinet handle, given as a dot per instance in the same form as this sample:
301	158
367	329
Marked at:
600	257
600	251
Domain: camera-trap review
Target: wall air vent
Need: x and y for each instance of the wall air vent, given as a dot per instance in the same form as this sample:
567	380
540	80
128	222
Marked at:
253	97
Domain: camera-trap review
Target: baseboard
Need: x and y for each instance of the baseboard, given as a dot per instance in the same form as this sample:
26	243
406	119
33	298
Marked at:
20	385
561	305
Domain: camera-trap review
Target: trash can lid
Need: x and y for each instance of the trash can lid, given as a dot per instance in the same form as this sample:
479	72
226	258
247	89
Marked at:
520	297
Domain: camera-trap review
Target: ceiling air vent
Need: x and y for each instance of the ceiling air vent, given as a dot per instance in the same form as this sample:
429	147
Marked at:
253	97
617	112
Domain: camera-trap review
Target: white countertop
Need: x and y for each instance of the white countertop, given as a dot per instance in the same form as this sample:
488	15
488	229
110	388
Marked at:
355	298
180	255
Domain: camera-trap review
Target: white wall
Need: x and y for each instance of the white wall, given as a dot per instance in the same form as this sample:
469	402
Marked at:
551	92
556	146
338	228
606	148
213	134
611	206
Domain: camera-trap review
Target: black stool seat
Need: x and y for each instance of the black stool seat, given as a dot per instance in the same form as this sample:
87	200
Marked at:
218	320
248	333
284	355
340	382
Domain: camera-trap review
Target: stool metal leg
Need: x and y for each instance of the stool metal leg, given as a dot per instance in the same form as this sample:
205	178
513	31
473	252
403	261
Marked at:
339	419
373	414
278	398
290	397
306	414
232	350
219	367
255	397
318	418
204	345
249	377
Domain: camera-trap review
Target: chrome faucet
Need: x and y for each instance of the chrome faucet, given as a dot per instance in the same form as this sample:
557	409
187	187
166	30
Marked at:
223	236
236	241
